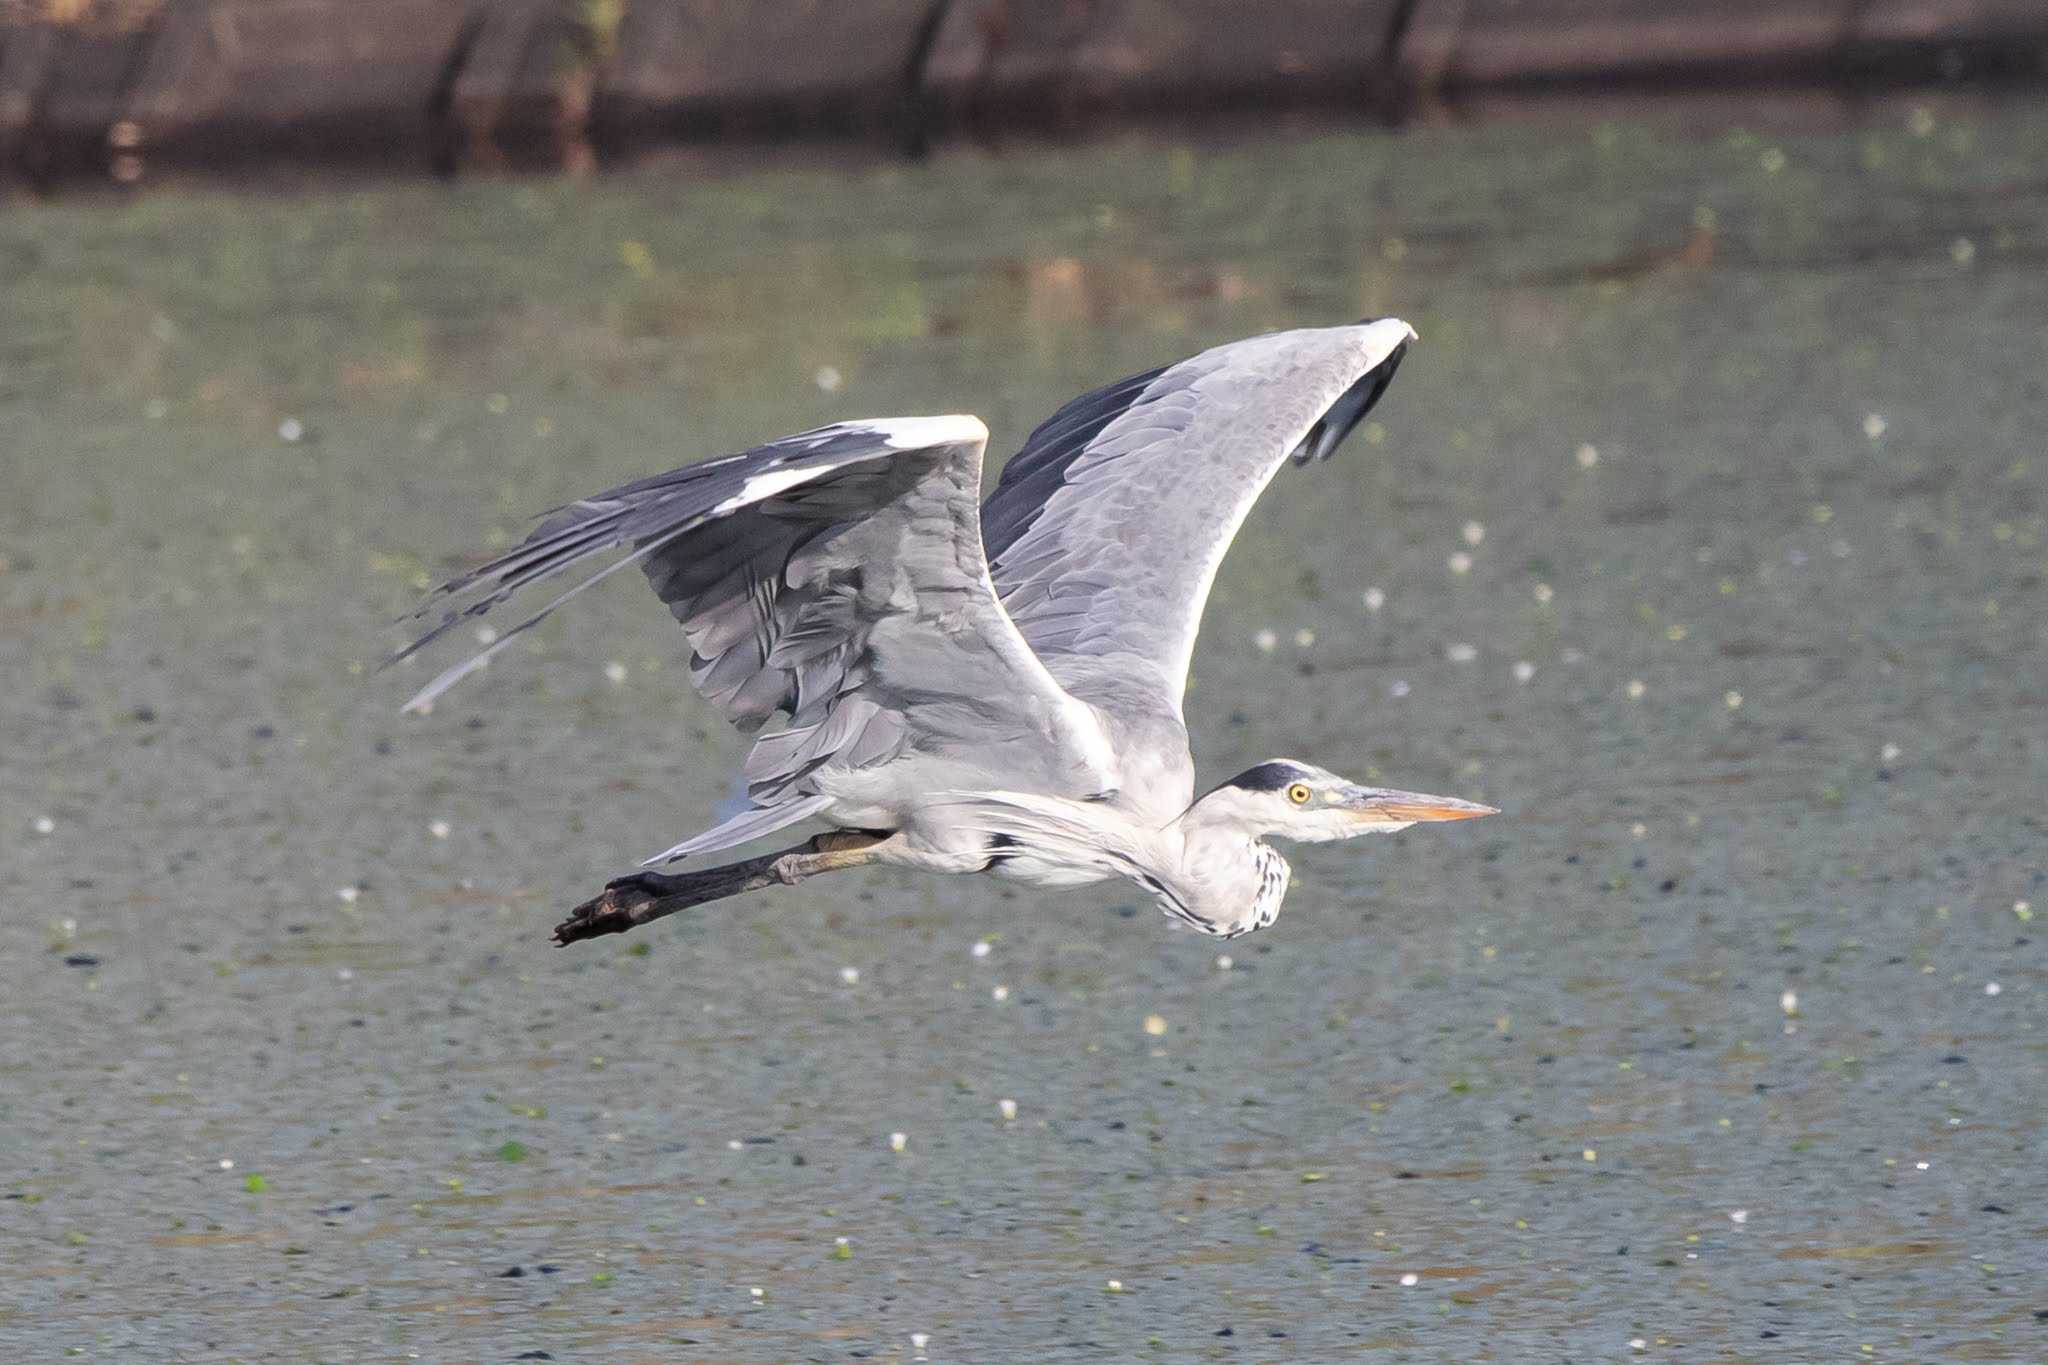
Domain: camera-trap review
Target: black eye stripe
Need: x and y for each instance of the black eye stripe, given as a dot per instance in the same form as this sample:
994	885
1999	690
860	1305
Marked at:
1267	777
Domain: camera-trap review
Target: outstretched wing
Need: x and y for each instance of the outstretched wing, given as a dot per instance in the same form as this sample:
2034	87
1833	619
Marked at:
836	578
1108	526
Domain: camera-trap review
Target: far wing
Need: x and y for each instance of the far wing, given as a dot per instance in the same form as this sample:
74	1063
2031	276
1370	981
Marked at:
1107	528
834	577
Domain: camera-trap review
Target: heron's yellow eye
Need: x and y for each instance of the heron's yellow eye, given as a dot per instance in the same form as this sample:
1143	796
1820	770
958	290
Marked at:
1298	793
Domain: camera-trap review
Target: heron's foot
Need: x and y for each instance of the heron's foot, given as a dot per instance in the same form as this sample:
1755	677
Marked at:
629	902
619	907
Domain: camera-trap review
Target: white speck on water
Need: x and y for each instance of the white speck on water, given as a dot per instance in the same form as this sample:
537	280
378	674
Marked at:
344	974
829	379
980	949
755	1291
1889	754
1639	830
1304	638
1224	962
1543	593
1874	425
1115	1286
1398	688
918	1341
734	1145
1155	1024
2023	909
1919	1165
1410	1280
291	431
1772	160
999	993
1588	455
1524	670
440	829
1460	562
1375	598
1008	1109
1789	1002
898	1141
1733	699
1266	641
615	672
1738	1216
850	975
227	1163
1992	988
1474	532
347	894
1638	1344
1962	251
1635	689
1461	653
1589	1154
45	825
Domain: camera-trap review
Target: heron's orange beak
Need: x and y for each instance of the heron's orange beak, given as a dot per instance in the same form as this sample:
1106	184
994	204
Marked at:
1416	807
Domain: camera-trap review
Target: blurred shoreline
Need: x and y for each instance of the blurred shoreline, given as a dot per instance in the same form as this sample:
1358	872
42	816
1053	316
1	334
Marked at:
134	92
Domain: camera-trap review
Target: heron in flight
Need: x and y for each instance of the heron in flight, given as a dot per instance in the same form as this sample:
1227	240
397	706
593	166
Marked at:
980	687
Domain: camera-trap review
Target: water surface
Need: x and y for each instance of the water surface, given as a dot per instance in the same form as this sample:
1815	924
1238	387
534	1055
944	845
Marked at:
1706	531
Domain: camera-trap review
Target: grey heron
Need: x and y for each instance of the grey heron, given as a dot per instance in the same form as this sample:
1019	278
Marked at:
990	687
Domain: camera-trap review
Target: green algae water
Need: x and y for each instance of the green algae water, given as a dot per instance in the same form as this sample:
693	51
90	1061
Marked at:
1703	532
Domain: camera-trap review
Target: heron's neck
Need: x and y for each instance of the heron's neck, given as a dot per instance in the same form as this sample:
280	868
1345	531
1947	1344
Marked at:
1228	882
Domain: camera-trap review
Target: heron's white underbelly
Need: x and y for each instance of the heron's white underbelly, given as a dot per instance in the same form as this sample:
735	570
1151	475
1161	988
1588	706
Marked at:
1038	871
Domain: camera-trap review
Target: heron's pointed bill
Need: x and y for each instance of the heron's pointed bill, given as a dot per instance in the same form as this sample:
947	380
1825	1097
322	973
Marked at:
1379	806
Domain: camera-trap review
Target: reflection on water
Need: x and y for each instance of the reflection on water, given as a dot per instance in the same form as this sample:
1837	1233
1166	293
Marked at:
1703	533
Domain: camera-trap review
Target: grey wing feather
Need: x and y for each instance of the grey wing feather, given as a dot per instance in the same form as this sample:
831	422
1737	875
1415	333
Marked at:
747	826
1107	528
835	579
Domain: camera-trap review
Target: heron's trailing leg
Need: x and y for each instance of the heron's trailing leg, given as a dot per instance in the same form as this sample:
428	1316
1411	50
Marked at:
644	897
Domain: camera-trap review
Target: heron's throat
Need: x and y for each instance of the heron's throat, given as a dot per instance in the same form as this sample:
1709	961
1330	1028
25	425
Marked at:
1226	882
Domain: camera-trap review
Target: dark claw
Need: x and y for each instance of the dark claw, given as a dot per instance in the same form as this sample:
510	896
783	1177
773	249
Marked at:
611	911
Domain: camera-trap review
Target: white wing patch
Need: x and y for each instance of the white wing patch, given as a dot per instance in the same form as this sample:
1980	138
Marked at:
912	433
761	487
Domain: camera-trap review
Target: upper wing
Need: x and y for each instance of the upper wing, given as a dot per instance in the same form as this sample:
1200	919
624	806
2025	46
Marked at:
1108	526
836	577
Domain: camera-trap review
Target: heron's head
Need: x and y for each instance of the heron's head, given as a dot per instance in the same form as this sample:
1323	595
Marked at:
1292	800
